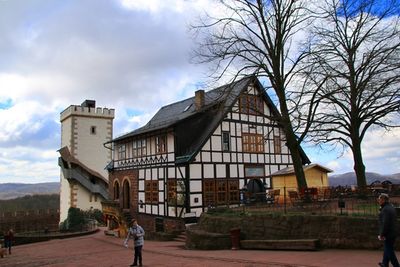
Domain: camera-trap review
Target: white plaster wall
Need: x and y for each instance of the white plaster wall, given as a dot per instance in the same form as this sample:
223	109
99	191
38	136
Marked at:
89	147
66	127
221	171
193	197
65	194
195	171
195	186
208	171
216	142
83	199
217	157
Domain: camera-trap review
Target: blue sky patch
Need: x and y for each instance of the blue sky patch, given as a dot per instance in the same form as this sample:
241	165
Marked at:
6	104
133	112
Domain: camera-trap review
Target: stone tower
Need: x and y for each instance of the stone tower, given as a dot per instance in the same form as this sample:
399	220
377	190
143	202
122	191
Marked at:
84	179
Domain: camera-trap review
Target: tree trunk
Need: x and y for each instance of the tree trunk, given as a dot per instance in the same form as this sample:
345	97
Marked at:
293	146
359	167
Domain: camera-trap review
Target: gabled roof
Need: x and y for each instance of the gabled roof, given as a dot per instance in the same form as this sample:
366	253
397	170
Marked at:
193	127
290	170
172	114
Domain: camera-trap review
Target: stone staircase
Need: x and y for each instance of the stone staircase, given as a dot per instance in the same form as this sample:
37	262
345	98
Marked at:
181	237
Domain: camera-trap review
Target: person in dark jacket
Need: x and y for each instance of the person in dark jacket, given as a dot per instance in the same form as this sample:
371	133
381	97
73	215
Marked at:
387	231
8	240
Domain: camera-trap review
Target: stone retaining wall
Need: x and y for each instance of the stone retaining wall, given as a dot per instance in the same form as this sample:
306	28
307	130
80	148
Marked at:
332	231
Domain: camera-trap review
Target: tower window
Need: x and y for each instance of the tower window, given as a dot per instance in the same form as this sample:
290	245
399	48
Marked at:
92	129
226	141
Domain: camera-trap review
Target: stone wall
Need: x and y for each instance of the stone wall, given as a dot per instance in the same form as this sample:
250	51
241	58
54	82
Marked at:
332	231
28	221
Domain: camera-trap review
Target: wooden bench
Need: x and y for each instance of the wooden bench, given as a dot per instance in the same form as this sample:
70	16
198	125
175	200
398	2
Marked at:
281	244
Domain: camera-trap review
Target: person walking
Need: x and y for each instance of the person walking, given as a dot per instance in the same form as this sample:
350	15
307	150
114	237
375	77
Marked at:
387	230
136	233
8	239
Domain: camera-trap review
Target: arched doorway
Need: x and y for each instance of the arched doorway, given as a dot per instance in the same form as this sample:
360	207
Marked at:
126	203
256	190
116	190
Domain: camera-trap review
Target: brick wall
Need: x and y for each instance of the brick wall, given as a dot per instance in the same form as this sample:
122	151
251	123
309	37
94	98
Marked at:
122	176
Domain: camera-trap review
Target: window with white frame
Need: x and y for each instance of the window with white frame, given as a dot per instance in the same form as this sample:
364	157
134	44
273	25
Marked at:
139	148
121	151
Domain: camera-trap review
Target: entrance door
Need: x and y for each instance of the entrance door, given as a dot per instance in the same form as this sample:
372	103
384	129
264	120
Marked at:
256	190
126	195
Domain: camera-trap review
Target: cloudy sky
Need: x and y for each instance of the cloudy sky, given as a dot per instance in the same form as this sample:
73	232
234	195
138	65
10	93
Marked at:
133	56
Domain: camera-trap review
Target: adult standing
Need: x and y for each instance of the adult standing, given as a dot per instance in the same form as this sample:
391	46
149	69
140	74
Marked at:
8	239
136	233
387	230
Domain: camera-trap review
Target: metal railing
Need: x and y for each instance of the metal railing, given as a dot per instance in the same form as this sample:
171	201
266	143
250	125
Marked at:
343	201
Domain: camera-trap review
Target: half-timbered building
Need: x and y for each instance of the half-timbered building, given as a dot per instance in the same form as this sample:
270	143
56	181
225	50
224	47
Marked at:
195	154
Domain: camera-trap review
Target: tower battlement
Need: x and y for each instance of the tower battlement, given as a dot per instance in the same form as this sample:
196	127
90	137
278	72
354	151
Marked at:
83	110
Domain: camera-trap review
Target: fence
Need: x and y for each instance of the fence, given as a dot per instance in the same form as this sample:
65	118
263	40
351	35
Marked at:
324	200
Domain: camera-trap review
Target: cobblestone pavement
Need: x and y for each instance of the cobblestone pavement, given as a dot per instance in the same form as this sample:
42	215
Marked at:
101	250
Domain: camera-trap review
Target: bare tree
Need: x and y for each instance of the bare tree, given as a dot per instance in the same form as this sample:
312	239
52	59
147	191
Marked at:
354	62
256	37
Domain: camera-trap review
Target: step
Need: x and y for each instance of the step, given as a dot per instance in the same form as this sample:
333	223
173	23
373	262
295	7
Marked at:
281	244
181	237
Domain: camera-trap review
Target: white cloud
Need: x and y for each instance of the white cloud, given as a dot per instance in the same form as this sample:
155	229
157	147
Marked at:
127	55
28	165
55	54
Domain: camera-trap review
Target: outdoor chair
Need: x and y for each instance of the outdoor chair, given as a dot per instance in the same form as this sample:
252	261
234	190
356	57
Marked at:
276	194
294	198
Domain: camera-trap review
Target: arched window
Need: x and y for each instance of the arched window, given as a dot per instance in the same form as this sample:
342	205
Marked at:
116	190
126	194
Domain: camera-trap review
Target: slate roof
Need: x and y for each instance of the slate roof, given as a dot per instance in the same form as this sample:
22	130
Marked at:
194	127
171	114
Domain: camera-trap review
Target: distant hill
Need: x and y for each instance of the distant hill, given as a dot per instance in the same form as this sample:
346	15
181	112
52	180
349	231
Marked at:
350	178
31	202
15	190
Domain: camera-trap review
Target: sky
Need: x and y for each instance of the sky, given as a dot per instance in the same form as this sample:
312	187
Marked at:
130	55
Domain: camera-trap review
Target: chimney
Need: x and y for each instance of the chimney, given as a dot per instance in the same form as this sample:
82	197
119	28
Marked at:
199	99
89	103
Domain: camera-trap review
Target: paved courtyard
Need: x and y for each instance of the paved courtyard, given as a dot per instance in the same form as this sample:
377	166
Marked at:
101	250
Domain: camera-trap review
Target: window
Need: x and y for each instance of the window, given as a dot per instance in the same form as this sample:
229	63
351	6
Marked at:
226	141
233	191
277	144
251	104
161	144
171	197
252	143
151	192
251	171
139	148
220	191
93	130
209	192
122	151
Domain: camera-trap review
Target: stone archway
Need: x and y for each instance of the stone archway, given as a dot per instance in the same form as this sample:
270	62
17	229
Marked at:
126	194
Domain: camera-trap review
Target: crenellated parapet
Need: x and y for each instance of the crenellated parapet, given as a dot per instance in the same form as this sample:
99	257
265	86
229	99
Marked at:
78	110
